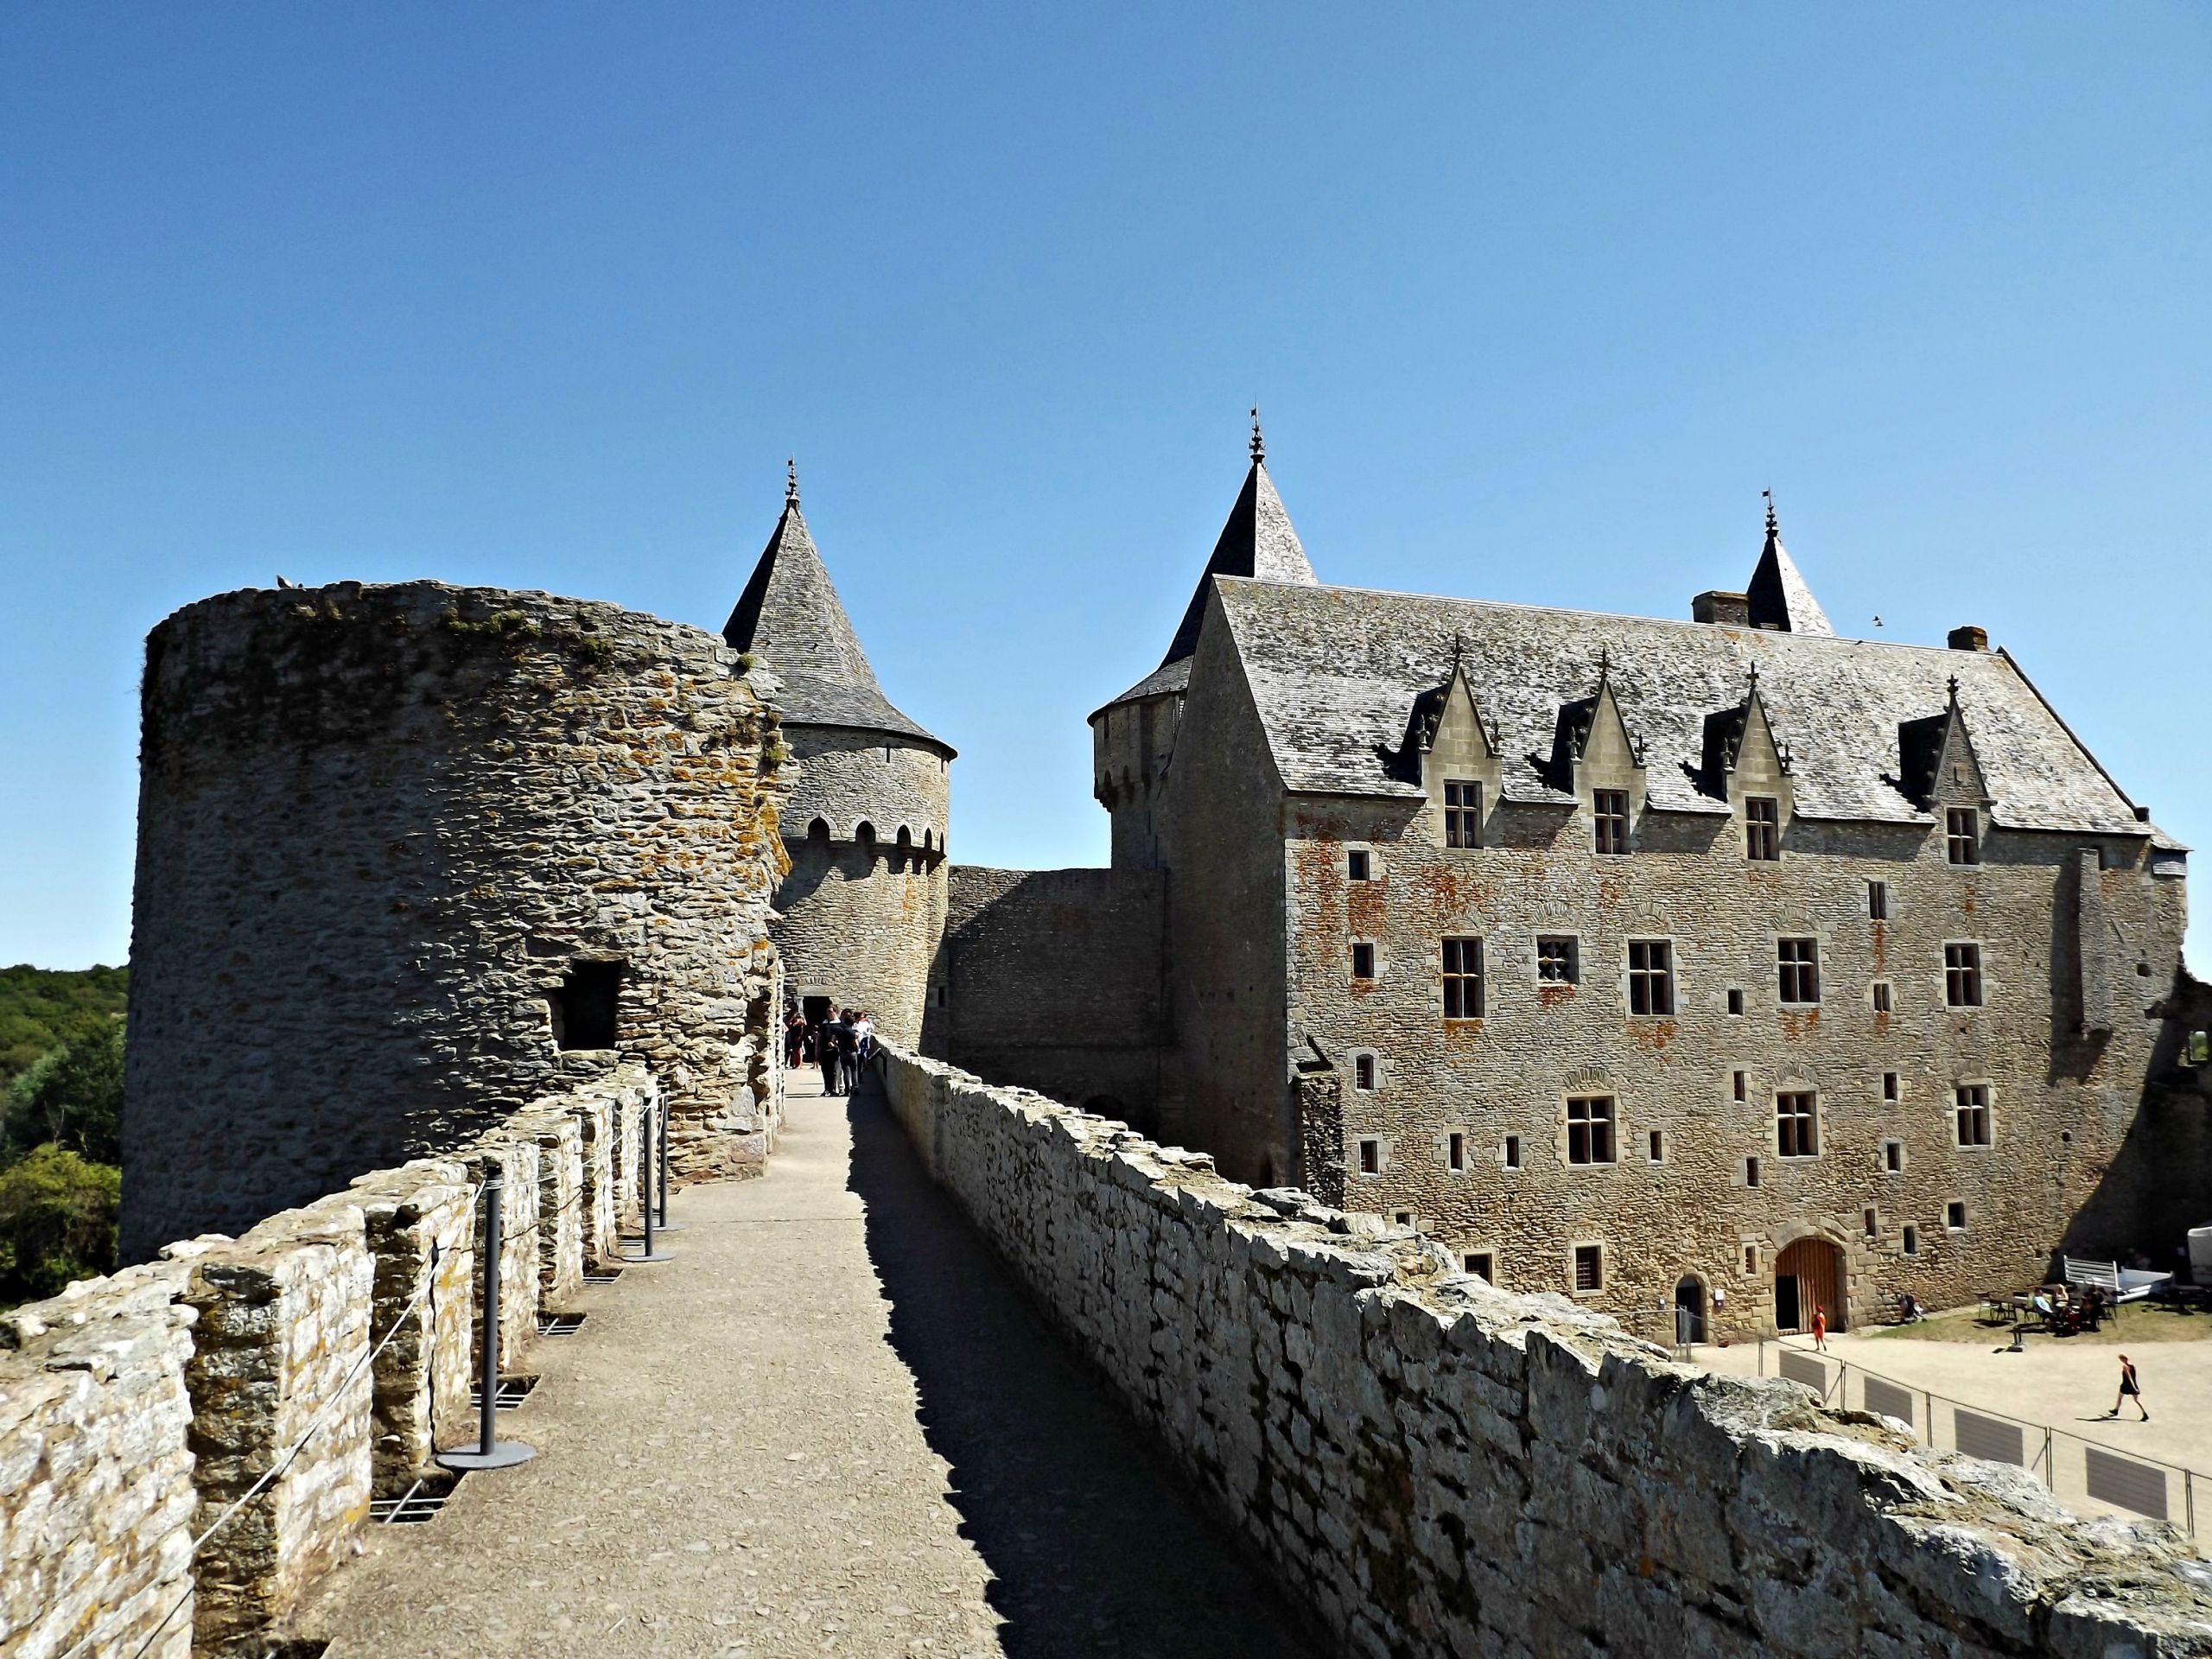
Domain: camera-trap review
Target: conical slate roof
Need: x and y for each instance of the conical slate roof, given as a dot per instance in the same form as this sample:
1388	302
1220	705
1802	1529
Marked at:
1258	541
790	616
1779	595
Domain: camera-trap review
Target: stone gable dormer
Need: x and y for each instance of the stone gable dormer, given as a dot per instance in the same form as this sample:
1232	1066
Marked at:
1594	749
1937	767
1455	745
1746	758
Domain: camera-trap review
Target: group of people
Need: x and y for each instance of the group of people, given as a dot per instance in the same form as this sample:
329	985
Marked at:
840	1042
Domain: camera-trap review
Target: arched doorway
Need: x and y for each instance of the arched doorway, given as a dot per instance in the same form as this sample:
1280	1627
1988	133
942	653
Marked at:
1809	1275
1689	1310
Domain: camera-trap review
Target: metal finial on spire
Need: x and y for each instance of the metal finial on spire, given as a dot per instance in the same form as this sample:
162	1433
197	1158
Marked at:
1458	651
1773	525
1604	662
1752	674
1955	691
791	483
1259	444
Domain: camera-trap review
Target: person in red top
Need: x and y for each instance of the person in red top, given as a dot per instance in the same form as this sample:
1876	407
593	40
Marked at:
1819	1329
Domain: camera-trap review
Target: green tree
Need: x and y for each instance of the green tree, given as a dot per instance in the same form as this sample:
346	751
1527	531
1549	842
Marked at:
73	1096
57	1223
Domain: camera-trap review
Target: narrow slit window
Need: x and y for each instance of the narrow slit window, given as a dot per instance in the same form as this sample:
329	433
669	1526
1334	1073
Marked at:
1513	1152
1609	820
1877	901
1658	1143
1371	1157
1463	979
1589	1129
1362	960
1962	975
1962	835
1751	1172
1909	1239
1889	1086
1893	1157
1750	1258
1739	1085
1799	963
1651	977
1881	996
1735	999
1462	812
1363	1071
1455	1150
1589	1266
1873	1225
1762	829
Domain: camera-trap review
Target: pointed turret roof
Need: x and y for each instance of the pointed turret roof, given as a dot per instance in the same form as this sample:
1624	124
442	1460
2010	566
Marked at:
1258	541
790	616
1778	594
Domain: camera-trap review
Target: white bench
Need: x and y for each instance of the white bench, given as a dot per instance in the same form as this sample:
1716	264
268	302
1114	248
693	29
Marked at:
2124	1284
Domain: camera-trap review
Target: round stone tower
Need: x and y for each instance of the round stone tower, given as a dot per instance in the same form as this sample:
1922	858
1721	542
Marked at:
861	912
409	855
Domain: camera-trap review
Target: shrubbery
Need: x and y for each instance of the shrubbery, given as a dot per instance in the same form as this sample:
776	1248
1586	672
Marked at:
61	1126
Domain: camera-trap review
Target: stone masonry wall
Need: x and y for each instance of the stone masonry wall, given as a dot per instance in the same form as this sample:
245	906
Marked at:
260	1389
1439	1468
379	829
1053	979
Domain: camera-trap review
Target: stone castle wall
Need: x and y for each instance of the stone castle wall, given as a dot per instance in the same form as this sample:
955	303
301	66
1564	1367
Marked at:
259	1390
862	908
378	827
2062	1106
1052	980
1436	1466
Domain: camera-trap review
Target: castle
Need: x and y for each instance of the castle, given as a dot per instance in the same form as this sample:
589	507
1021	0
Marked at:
1718	961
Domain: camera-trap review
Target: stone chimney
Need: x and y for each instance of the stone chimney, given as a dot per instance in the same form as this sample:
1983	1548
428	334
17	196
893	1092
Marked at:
1969	638
1731	610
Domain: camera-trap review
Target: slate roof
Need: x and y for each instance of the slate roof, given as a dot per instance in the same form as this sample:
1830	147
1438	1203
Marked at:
790	616
1335	671
1258	541
1778	594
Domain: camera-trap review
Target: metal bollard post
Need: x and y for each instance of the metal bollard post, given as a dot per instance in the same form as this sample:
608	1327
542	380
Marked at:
646	1190
490	1451
666	1225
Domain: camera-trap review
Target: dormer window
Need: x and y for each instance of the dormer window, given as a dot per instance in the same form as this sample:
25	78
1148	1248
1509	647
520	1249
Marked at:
1762	829
1962	835
1608	816
1462	812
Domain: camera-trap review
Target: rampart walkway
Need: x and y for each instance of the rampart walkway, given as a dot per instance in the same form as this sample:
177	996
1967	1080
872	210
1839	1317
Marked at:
831	1426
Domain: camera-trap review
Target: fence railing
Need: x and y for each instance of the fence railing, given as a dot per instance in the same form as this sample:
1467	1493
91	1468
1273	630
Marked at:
2075	1469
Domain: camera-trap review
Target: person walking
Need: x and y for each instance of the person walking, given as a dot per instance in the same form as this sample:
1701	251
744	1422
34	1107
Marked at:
2128	1386
864	1036
794	1039
825	1039
839	1029
1819	1329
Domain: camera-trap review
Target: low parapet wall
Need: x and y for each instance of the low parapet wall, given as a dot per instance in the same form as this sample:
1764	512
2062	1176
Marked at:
1441	1468
259	1390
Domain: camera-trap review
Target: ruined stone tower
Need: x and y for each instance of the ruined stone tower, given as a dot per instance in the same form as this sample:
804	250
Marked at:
863	907
410	855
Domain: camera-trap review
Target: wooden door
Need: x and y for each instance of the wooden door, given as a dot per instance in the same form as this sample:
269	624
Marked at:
1815	1266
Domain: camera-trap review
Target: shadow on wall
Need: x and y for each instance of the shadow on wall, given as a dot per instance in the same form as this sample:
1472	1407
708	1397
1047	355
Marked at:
1094	1546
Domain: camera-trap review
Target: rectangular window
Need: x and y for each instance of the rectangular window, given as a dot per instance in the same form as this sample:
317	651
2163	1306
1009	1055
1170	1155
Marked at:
584	1007
1363	1071
1955	1216
1359	864
1463	813
1890	1085
1762	829
1608	816
1455	1150
1962	975
1800	963
1877	901
1403	1217
1513	1152
1893	1157
1750	1258
1751	1172
1559	960
1972	1100
1371	1157
1873	1225
1362	960
1796	1125
1658	1146
1735	999
1651	977
1909	1238
1962	835
1589	1129
1740	1082
1479	1263
1881	996
1463	979
1589	1266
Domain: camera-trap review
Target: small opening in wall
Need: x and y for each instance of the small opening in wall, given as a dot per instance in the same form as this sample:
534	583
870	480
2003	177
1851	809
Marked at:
1893	1156
1513	1152
1882	996
1371	1157
1751	1172
1455	1150
1878	901
1479	1263
1403	1217
1658	1145
1750	1258
1889	1085
584	1007
1873	1223
1740	1084
1359	864
1955	1216
1362	960
1589	1266
1363	1071
1910	1239
1735	999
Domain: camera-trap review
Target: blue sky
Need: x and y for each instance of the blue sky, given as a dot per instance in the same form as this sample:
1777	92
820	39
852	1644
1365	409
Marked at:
1534	301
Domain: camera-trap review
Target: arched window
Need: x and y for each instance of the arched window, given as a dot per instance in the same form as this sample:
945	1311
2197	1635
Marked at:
903	851
818	830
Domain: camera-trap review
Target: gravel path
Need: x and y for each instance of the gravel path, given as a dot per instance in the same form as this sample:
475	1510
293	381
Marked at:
832	1424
